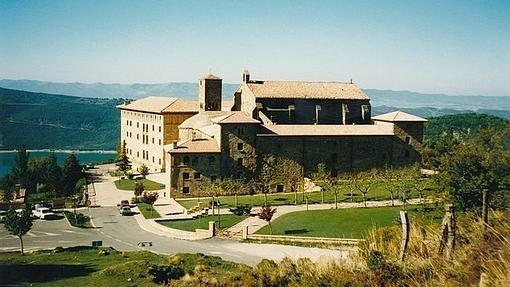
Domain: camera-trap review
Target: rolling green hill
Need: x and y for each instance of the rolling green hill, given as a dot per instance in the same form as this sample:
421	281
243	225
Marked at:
466	123
39	120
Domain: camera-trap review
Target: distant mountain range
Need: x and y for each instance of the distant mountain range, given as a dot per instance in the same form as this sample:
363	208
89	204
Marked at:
401	99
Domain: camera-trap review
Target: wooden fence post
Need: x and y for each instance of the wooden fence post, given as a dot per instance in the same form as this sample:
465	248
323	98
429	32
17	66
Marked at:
405	233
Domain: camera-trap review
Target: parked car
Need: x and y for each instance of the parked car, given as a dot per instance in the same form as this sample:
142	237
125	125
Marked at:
126	210
43	213
123	203
3	213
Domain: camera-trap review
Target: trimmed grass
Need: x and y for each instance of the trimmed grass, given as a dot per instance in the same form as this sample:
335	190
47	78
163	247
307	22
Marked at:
79	220
378	191
129	184
337	223
227	221
87	266
148	211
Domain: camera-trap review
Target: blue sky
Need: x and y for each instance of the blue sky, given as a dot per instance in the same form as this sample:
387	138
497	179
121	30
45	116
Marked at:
454	47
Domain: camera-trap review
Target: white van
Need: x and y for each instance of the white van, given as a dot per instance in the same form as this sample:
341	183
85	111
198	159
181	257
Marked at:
43	213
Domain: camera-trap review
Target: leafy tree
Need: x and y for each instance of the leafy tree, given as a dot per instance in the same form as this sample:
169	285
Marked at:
322	177
71	173
266	213
20	169
18	224
53	175
123	163
8	186
475	172
144	170
363	183
150	198
139	188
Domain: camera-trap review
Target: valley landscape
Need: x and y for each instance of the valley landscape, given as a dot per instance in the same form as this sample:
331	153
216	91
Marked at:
254	144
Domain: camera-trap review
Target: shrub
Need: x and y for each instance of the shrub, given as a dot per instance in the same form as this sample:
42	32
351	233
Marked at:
241	210
164	274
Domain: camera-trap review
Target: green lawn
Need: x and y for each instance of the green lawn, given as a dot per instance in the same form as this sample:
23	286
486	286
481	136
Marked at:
378	192
78	219
148	211
129	184
226	221
86	266
341	223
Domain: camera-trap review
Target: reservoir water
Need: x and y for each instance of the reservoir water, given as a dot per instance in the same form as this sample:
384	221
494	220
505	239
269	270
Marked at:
84	157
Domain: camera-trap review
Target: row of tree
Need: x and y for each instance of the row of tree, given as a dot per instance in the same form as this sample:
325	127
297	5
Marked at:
43	175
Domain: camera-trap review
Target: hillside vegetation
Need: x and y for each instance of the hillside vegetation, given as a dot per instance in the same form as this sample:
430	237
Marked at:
39	120
468	123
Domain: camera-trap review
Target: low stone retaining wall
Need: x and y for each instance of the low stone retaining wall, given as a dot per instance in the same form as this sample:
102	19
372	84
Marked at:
151	225
305	239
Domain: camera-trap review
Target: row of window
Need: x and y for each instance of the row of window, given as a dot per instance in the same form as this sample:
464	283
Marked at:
194	160
145	138
145	127
144	116
145	155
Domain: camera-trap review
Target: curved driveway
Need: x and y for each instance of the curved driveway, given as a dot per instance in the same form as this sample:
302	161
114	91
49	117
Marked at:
123	233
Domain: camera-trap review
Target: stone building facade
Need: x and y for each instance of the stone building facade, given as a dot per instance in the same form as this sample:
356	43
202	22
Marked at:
149	124
280	131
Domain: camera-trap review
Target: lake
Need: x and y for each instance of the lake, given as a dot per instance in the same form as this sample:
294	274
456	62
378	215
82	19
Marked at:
84	157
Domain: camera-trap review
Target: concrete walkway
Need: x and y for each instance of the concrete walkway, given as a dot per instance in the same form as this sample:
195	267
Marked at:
103	192
254	223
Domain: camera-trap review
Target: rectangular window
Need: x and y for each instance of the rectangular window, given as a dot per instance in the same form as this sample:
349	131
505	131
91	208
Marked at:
159	160
240	146
197	176
152	140
279	188
152	127
240	131
159	141
159	128
152	159
408	140
185	189
137	125
185	175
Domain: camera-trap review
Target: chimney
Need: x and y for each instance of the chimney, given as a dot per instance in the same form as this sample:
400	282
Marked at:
246	76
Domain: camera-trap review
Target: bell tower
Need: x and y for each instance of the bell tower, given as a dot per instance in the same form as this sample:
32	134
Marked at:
209	93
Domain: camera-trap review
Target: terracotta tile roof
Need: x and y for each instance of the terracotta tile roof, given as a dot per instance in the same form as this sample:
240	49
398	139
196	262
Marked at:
161	105
210	77
202	119
306	90
381	129
149	104
182	106
235	118
195	146
398	116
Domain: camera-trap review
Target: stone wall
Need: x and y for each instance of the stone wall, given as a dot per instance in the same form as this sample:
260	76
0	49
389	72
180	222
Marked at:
238	154
305	111
206	165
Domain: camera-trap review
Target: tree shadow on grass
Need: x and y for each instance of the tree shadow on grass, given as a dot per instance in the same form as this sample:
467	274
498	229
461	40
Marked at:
37	273
296	231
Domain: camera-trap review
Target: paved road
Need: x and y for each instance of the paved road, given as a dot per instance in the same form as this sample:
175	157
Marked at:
123	233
